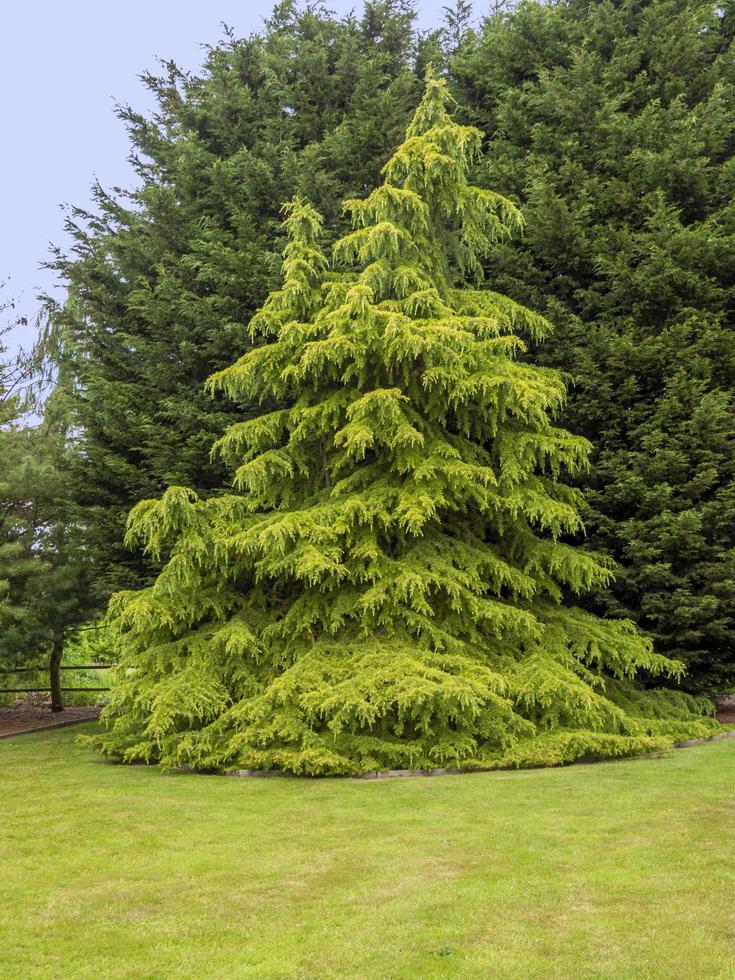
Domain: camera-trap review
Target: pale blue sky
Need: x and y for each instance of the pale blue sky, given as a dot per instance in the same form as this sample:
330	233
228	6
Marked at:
63	65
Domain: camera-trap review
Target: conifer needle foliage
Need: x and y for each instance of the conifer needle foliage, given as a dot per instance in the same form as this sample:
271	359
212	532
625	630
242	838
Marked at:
388	585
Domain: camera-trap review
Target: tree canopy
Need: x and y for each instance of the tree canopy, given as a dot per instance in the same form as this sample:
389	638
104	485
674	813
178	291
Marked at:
609	127
162	280
612	124
388	586
614	134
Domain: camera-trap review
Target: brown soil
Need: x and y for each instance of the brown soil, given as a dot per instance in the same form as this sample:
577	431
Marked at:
726	711
29	718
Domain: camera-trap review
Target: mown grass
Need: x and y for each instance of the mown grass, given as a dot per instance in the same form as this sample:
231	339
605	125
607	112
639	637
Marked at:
615	870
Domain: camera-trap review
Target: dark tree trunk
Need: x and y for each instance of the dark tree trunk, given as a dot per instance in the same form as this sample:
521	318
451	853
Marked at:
57	700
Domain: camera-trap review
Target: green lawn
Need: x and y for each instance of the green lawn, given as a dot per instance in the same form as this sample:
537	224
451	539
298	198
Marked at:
621	869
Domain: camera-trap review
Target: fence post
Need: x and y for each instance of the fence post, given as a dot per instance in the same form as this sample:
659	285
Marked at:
57	699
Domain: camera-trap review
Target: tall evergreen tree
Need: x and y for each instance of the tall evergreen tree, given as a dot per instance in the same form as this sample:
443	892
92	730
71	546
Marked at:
161	280
457	24
388	586
613	124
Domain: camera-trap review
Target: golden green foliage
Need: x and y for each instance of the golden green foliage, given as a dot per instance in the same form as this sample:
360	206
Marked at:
388	586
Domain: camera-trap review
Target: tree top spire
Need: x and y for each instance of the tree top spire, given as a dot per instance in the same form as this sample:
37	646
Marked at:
427	213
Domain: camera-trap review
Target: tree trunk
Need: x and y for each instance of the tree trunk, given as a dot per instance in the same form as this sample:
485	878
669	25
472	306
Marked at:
57	700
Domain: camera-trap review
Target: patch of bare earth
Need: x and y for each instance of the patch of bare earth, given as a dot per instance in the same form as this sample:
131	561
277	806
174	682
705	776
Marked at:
726	711
29	717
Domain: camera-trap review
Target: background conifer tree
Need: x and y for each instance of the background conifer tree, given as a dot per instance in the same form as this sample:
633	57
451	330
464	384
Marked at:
162	280
387	587
613	123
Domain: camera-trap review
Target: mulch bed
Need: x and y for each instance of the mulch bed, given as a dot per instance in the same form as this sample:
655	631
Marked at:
30	717
726	711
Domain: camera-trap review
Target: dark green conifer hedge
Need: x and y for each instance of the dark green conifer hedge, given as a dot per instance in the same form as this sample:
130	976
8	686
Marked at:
613	125
163	281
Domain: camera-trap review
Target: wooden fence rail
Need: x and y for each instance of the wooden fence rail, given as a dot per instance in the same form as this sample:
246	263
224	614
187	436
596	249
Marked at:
44	690
30	670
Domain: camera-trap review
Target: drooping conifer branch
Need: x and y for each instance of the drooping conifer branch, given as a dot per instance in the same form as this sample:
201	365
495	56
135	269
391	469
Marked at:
388	583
